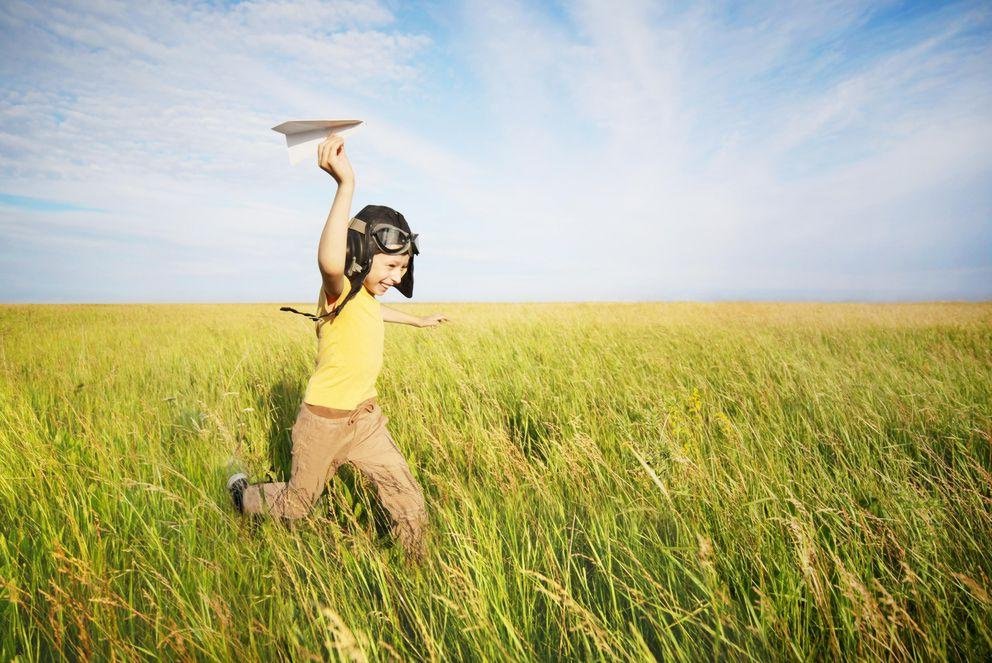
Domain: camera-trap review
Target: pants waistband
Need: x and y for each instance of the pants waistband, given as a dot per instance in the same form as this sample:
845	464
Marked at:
335	413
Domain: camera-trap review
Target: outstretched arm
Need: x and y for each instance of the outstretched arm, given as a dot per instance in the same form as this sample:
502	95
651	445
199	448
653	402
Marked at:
392	315
331	157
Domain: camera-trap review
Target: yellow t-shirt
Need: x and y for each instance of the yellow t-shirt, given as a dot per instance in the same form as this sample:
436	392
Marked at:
349	352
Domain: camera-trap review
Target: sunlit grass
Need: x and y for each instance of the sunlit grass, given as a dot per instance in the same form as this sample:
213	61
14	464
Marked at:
604	481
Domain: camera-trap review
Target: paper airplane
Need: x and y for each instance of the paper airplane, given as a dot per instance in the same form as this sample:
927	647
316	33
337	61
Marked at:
302	136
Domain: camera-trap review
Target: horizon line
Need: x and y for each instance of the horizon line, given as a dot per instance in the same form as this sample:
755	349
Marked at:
987	300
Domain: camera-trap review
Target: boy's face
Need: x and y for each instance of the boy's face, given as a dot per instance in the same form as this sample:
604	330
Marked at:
387	270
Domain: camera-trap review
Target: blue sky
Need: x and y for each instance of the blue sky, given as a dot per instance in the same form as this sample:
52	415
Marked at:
563	152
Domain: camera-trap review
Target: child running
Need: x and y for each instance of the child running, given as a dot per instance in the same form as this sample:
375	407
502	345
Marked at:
339	420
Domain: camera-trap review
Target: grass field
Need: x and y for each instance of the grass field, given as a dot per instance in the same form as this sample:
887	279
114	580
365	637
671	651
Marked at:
604	481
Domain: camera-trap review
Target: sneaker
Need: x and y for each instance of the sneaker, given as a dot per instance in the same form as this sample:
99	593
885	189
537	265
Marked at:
236	486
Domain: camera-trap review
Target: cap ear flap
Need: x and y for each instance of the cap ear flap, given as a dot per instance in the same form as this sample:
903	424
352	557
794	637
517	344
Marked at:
357	255
405	285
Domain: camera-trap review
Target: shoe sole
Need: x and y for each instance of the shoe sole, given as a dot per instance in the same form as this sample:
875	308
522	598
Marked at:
236	477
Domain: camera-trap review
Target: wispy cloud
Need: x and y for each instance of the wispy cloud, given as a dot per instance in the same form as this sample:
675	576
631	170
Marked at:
594	151
40	204
717	151
160	113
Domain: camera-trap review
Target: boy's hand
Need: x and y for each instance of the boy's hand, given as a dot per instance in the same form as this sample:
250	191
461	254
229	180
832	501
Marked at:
433	320
331	158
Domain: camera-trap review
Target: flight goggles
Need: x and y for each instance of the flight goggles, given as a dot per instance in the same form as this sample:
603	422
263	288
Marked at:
390	239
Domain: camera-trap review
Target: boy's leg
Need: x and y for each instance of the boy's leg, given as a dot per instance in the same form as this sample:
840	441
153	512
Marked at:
380	460
317	443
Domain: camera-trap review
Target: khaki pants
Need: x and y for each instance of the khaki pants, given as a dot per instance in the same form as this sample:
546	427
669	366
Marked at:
320	445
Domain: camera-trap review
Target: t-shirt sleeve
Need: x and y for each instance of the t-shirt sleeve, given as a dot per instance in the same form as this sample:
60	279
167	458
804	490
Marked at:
322	305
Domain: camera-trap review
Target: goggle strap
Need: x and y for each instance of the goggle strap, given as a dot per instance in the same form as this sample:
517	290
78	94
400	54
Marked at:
309	315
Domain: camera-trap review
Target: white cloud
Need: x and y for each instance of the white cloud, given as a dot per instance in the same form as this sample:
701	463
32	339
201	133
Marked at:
684	183
623	150
159	114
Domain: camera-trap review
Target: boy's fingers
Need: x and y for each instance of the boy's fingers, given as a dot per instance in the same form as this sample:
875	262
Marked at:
330	141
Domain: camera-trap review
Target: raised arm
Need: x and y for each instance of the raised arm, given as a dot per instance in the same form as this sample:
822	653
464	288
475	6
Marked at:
331	249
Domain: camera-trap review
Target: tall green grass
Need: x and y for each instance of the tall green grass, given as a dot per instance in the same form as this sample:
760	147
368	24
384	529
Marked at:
604	481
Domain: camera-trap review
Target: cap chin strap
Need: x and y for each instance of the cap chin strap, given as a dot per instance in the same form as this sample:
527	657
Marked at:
359	226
